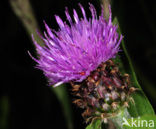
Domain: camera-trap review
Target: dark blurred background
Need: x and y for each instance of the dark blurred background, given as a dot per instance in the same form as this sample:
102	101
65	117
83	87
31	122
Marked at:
26	100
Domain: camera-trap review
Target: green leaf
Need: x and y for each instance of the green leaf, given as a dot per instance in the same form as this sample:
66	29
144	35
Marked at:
142	105
94	125
114	121
118	119
143	122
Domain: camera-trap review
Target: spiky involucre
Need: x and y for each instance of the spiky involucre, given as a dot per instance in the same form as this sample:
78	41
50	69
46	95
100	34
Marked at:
77	48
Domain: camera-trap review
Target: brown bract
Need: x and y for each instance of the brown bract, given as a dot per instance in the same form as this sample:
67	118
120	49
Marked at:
103	93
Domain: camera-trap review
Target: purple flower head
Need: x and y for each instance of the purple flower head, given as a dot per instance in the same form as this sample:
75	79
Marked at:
77	48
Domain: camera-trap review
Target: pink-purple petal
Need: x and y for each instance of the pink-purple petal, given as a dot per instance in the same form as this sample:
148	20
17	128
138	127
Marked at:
77	49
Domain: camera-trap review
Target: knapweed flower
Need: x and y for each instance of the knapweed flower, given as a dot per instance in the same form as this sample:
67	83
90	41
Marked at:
78	47
81	53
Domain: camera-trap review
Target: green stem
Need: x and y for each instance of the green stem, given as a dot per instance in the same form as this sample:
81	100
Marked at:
4	112
61	93
24	11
